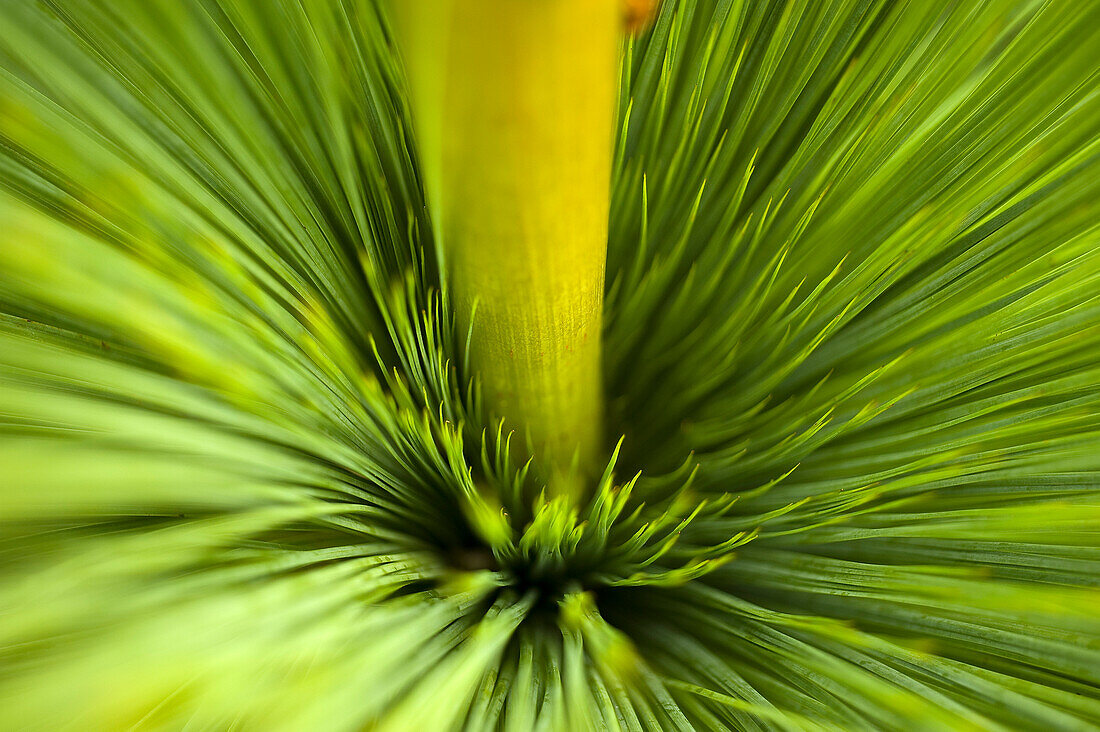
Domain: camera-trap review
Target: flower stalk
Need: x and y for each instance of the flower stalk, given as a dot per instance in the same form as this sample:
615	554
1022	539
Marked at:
513	102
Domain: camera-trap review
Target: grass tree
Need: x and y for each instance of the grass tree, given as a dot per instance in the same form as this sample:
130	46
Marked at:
549	364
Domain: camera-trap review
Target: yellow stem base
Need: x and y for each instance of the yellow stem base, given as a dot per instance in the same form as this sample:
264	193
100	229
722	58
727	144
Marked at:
514	106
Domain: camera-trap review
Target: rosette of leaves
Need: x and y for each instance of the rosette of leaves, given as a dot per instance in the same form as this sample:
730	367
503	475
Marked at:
841	440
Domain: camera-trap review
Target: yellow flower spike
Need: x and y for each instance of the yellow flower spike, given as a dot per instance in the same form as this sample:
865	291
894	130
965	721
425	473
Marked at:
514	104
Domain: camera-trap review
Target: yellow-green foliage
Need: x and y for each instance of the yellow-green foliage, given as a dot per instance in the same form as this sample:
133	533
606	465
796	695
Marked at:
250	476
